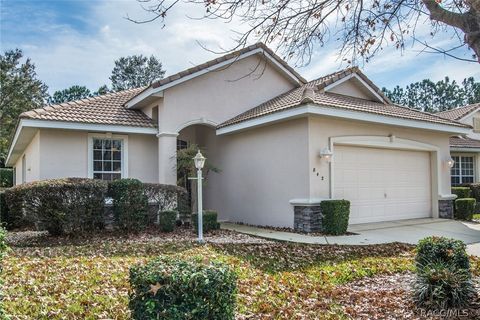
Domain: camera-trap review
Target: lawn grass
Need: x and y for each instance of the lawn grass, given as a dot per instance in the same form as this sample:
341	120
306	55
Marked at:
476	216
89	279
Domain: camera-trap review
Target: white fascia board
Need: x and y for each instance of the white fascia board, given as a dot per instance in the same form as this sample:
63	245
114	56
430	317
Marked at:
356	76
467	150
311	109
86	126
75	126
156	91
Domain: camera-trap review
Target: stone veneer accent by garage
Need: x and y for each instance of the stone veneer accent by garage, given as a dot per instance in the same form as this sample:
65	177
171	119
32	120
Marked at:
307	215
445	208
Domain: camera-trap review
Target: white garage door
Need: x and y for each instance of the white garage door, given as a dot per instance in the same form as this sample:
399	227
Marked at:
383	184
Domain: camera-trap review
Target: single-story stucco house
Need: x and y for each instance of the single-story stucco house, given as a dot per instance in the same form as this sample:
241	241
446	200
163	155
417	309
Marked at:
283	144
465	150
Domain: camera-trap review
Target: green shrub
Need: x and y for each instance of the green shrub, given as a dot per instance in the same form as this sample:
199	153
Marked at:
444	250
6	178
173	289
465	208
4	212
167	197
167	220
130	205
475	188
439	286
335	216
209	218
461	192
60	206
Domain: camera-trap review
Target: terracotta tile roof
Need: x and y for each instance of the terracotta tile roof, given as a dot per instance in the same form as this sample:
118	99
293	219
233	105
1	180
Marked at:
105	109
310	93
464	142
459	113
226	57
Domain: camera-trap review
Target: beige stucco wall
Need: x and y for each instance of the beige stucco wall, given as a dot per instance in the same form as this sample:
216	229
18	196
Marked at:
262	170
32	161
469	120
323	128
349	88
220	95
64	153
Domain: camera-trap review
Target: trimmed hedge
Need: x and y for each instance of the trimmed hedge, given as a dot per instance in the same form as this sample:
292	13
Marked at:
465	208
60	206
462	192
475	188
167	197
167	220
443	277
444	250
6	177
4	212
209	219
335	216
130	204
174	289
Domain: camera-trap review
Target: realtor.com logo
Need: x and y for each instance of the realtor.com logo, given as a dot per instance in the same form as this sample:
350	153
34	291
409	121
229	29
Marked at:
451	313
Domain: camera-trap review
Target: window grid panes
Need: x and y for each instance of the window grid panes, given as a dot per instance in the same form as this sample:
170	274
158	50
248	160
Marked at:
107	159
463	170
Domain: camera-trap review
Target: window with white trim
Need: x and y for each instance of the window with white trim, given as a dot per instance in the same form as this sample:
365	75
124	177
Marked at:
107	158
463	170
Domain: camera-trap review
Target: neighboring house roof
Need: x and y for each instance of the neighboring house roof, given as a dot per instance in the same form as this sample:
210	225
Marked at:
464	142
106	109
312	92
459	113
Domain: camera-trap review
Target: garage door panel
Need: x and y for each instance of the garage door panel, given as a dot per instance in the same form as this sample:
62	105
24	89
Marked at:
383	184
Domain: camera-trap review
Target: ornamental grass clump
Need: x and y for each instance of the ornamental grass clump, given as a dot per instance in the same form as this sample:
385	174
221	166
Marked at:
443	277
175	289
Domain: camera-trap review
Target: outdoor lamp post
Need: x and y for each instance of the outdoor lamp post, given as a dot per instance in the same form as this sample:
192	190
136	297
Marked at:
199	160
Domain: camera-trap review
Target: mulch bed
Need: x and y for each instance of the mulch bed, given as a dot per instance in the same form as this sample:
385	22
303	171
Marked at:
42	238
389	297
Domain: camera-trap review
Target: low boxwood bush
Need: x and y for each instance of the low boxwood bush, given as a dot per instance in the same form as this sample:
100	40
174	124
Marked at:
439	286
130	204
209	218
167	220
465	208
167	197
335	216
475	188
6	178
173	289
60	206
462	192
444	250
443	276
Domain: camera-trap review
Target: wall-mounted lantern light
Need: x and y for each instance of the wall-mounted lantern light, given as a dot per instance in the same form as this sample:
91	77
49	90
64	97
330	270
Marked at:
326	154
450	162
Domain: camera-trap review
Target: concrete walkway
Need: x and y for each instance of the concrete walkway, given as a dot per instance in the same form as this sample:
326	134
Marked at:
407	231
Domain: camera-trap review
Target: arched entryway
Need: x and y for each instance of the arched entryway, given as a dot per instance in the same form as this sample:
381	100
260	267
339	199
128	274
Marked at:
189	139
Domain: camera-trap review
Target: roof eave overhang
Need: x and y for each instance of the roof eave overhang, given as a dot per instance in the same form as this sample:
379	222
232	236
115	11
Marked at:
91	127
314	109
464	149
136	101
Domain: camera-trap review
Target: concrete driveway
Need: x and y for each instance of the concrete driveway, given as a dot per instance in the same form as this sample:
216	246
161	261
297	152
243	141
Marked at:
407	231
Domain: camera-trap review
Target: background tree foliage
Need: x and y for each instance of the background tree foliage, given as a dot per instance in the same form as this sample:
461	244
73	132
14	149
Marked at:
20	90
135	71
362	28
75	92
430	96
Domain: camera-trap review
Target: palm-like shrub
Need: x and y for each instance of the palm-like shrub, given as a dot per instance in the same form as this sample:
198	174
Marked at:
439	286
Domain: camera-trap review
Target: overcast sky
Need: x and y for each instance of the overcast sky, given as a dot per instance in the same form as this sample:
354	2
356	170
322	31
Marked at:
76	42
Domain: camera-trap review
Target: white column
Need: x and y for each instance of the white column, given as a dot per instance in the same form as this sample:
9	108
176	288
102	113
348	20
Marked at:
167	157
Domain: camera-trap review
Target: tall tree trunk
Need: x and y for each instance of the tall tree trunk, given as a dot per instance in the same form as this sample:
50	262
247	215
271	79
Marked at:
468	22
